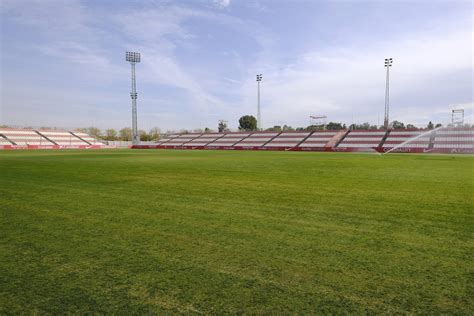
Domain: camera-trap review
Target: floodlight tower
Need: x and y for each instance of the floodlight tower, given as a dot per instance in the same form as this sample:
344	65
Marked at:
388	64
457	117
259	118
134	58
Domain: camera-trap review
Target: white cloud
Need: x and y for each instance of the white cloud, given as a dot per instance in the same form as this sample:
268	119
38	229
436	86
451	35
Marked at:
221	4
343	83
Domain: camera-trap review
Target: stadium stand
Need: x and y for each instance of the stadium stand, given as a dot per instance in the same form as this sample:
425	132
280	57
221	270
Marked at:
397	137
358	139
25	137
320	139
287	140
87	138
4	141
181	140
454	138
442	140
63	138
166	139
228	140
16	138
256	139
204	139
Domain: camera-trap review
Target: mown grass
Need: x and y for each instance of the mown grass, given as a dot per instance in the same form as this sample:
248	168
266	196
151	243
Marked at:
149	231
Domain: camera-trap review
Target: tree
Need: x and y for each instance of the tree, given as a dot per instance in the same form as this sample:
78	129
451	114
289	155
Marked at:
397	125
207	130
125	134
438	125
430	125
314	128
222	127
276	128
143	135
154	133
248	123
110	134
94	132
333	126
411	126
364	126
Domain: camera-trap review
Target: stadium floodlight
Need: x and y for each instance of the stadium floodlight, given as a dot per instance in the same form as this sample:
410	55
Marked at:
388	64
134	58
259	118
457	117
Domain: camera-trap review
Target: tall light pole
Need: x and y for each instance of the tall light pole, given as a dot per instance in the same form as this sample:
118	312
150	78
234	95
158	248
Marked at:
388	64
259	118
134	58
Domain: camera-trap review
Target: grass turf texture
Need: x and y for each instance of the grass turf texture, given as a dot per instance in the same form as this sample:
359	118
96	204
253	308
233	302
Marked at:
230	231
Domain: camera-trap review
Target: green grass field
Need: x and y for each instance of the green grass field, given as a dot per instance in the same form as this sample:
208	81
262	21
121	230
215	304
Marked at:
149	231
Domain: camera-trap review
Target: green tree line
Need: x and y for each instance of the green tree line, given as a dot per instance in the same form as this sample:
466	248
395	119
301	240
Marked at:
124	134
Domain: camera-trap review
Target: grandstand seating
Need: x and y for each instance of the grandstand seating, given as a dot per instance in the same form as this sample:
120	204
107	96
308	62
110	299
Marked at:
181	139
4	141
31	139
63	138
229	139
24	137
397	137
164	140
342	140
363	139
454	138
256	139
204	139
87	138
287	139
319	139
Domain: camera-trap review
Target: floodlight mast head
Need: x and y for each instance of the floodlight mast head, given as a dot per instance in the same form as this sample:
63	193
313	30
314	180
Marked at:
133	58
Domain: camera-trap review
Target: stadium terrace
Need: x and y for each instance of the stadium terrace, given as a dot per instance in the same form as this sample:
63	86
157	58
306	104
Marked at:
445	140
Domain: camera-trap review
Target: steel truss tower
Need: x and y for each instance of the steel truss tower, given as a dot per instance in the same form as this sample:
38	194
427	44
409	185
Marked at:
134	58
259	118
388	64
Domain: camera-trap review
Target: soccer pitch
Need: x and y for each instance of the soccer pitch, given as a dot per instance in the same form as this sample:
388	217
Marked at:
143	231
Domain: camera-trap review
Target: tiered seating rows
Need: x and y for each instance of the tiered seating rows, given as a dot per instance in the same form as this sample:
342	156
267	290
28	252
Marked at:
44	138
182	139
25	137
64	138
256	139
229	139
319	139
454	138
3	141
396	138
89	139
322	139
287	139
363	139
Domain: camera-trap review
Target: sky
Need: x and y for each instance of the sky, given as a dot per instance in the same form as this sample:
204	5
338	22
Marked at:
63	62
